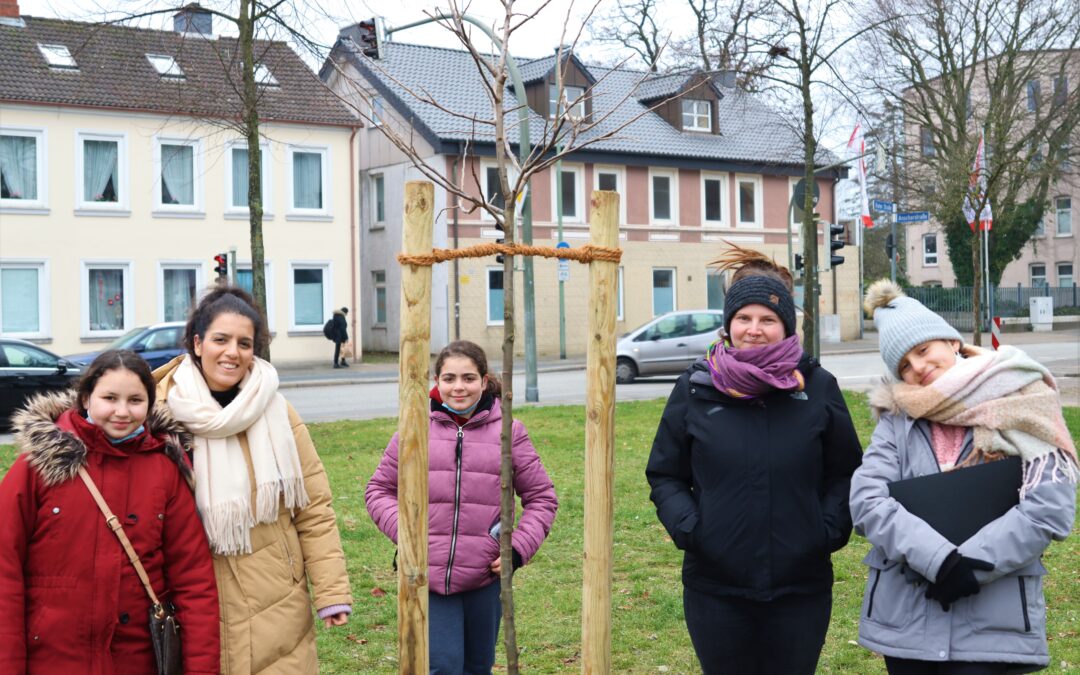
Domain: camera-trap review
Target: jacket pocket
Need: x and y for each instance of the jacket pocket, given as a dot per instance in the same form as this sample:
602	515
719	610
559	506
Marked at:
890	599
294	557
1013	603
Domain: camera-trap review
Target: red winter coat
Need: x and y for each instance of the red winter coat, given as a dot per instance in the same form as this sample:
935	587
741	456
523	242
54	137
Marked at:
463	496
70	600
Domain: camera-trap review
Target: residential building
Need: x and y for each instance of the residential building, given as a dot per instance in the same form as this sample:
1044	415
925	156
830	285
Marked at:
698	162
124	172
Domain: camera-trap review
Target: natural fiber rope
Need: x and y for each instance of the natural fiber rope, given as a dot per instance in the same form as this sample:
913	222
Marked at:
583	254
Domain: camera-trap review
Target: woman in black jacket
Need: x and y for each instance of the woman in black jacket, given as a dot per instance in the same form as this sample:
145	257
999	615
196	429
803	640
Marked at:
750	471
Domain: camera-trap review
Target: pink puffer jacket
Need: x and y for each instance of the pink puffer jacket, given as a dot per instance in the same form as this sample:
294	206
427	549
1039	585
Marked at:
463	491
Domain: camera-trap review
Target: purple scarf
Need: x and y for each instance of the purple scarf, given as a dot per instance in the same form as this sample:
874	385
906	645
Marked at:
749	373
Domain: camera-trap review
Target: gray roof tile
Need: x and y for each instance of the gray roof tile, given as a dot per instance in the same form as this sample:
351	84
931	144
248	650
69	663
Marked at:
114	73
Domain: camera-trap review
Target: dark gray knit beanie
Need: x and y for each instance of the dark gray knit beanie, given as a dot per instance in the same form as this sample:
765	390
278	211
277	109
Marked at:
902	322
760	290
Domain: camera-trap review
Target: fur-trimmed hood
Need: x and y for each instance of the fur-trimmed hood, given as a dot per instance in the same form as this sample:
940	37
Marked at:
56	455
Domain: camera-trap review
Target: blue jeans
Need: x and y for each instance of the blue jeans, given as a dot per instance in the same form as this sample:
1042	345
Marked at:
462	631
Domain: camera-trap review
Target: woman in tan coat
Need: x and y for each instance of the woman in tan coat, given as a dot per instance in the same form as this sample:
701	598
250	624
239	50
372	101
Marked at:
261	490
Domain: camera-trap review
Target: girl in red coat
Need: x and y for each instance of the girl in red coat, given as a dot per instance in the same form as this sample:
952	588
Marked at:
70	600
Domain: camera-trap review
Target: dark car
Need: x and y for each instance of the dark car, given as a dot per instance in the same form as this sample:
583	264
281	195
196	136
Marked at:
26	369
157	344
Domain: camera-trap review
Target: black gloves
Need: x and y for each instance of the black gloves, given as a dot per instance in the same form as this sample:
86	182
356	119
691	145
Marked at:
956	579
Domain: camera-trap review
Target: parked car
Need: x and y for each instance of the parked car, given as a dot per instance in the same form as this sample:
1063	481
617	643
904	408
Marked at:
157	344
26	369
667	345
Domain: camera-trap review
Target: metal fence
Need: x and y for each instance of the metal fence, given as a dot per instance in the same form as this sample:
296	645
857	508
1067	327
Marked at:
955	304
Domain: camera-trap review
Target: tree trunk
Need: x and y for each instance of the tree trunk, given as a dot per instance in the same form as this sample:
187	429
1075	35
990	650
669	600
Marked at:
246	28
506	464
809	226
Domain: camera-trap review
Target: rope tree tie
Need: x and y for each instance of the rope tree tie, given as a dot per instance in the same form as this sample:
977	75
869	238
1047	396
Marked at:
584	254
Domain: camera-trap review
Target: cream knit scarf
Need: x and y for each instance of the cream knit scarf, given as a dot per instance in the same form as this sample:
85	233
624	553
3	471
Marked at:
1011	402
222	489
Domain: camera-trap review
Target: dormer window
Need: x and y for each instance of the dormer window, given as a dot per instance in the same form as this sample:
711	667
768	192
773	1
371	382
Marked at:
696	115
263	76
573	102
58	57
166	66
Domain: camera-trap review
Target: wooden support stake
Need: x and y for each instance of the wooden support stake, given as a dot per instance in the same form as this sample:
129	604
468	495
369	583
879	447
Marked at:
599	440
413	364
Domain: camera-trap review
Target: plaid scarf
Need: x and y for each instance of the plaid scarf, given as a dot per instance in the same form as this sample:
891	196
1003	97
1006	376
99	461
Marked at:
1011	402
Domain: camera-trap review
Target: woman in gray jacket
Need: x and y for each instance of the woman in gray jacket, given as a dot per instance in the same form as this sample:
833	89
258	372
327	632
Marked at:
931	606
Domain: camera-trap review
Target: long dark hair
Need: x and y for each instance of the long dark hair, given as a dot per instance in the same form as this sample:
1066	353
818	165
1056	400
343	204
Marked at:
115	359
473	352
225	300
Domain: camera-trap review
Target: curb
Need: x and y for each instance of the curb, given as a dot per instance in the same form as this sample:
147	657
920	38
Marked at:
385	379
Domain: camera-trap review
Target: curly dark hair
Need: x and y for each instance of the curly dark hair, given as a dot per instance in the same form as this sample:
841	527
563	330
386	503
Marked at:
115	359
225	300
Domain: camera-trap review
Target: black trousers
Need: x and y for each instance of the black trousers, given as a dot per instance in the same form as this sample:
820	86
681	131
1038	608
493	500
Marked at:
337	352
746	637
897	666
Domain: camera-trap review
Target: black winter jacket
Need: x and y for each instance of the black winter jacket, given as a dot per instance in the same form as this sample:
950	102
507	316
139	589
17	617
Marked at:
340	331
755	492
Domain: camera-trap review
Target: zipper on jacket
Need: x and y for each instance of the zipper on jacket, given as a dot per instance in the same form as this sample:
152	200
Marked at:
457	505
873	590
1023	603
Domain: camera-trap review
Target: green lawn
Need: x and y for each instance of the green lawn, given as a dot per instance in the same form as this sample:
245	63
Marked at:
648	631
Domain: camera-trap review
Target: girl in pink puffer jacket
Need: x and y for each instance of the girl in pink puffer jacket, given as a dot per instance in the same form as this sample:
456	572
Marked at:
463	513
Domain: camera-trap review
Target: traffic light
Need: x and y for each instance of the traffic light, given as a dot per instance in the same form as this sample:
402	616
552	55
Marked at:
369	37
499	257
798	264
836	242
221	266
890	247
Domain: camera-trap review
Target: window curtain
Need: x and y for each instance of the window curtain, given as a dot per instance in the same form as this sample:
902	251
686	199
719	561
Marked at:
308	297
177	174
18	165
307	180
240	178
99	167
106	299
179	294
19	301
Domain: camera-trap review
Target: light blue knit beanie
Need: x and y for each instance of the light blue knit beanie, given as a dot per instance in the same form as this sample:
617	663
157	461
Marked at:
902	322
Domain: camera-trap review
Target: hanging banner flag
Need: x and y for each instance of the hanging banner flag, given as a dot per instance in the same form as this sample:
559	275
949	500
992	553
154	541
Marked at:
858	144
976	193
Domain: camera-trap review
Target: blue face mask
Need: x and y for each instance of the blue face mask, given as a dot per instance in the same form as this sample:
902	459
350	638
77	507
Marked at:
466	411
118	441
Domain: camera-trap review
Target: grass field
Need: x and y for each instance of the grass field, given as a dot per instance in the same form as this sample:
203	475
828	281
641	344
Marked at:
648	631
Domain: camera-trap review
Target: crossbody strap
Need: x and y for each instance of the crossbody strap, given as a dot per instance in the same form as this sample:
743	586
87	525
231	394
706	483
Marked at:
118	529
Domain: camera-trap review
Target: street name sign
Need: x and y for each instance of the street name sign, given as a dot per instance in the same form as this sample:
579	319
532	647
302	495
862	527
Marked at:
913	217
884	206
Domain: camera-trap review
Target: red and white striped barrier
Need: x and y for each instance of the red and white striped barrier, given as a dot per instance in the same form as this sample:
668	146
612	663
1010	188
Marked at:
995	332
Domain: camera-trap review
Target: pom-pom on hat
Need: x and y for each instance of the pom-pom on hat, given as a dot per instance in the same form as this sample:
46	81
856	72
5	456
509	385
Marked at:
902	322
760	290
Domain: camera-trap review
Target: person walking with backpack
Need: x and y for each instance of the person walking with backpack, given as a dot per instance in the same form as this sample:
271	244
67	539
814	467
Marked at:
337	330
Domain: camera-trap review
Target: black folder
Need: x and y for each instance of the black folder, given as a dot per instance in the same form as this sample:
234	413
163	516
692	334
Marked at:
958	503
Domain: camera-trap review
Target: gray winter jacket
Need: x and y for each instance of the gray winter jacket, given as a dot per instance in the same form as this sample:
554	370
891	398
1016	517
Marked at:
1006	621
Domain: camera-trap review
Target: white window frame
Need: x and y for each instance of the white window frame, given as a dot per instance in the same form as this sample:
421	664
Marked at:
376	285
723	178
673	177
121	207
759	195
486	164
674	289
1071	275
620	184
621	293
271	315
44	330
930	259
1057	216
264	77
128	267
163	265
695	114
377	111
1032	276
41	136
328	293
180	210
294	213
58	56
266	166
573	112
487	295
579	192
374	182
166	66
